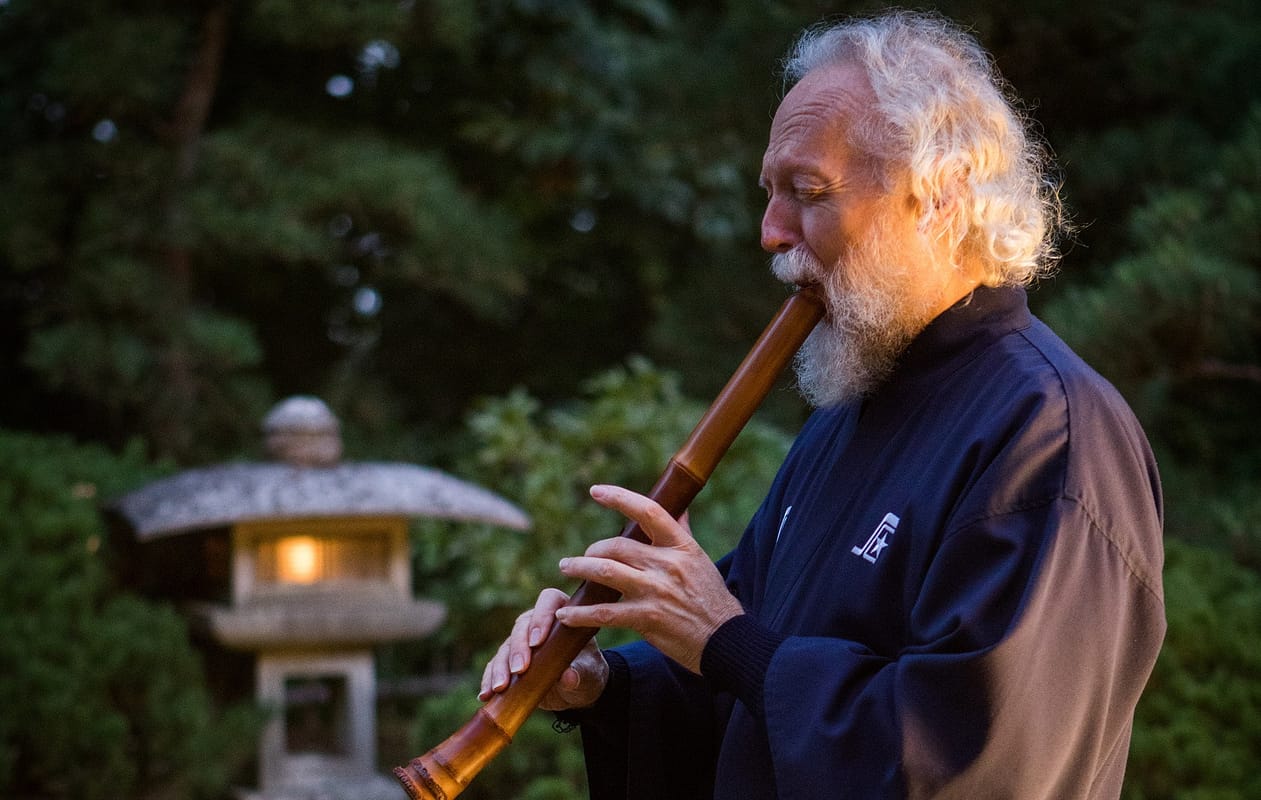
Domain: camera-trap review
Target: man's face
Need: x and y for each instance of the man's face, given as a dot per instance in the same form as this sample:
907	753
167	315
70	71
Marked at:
822	193
836	216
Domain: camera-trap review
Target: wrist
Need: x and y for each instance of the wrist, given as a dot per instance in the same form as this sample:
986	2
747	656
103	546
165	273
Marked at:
738	656
719	617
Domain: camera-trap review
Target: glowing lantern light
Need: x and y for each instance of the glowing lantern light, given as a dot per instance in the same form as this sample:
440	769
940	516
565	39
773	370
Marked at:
299	559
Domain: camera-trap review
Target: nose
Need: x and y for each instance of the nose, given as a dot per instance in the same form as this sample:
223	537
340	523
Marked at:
780	230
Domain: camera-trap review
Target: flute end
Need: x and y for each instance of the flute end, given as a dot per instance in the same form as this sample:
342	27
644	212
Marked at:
418	783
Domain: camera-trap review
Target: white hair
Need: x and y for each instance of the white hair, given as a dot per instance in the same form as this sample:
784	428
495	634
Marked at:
945	115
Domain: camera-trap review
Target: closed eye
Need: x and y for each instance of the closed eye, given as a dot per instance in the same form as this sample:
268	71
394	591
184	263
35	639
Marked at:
816	191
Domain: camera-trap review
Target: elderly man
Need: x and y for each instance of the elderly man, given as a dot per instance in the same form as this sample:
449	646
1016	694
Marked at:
953	587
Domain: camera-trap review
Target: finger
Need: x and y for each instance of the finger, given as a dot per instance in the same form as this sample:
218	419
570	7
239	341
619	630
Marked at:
486	689
569	687
518	653
663	529
631	552
531	627
495	676
582	683
565	693
513	656
605	571
598	615
543	615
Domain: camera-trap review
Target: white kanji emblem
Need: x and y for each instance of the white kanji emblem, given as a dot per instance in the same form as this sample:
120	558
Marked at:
879	539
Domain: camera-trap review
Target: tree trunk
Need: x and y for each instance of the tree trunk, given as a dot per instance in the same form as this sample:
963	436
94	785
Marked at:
179	381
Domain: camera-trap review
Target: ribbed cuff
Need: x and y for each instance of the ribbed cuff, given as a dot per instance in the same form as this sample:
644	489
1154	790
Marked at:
737	657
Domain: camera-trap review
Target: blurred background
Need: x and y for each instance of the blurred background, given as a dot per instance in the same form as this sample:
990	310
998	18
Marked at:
517	240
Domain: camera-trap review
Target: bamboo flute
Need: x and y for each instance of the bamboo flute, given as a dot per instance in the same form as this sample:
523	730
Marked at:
447	769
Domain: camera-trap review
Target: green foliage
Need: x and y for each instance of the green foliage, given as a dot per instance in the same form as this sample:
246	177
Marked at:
497	194
103	694
307	198
1197	733
331	23
116	353
118	65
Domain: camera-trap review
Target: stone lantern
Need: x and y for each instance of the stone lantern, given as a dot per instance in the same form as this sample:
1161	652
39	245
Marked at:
302	562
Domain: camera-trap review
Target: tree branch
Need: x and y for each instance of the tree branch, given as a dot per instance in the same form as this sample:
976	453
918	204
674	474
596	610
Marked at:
1215	368
194	104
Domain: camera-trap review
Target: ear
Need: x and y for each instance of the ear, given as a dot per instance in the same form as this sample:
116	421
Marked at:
944	218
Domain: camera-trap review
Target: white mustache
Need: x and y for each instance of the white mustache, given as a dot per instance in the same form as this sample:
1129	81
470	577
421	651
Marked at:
798	265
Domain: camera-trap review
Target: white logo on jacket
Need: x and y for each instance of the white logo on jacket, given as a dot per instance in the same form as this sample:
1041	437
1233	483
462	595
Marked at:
782	523
879	539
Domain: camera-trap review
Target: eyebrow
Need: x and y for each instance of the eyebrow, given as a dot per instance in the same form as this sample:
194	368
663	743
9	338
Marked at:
793	168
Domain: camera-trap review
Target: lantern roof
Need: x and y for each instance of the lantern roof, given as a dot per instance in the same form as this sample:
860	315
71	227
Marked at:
308	482
247	492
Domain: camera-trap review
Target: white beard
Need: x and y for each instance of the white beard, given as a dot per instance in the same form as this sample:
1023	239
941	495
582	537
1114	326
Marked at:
874	310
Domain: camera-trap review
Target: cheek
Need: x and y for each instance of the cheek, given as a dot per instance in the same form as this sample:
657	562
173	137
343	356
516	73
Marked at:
824	233
831	234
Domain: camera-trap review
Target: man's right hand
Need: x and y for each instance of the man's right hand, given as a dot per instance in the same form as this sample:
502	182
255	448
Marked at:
580	685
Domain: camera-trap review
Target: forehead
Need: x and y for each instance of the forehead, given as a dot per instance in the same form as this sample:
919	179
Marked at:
811	125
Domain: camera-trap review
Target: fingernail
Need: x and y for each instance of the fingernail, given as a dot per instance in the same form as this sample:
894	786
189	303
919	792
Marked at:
517	664
599	491
564	564
536	636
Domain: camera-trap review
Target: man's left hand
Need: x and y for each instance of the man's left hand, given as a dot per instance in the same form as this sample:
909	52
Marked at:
672	594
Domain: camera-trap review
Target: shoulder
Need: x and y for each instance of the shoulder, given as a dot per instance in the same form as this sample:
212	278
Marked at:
1099	424
1109	470
1032	372
1043	425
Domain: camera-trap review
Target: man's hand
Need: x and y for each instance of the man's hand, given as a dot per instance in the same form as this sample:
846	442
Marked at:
579	685
672	594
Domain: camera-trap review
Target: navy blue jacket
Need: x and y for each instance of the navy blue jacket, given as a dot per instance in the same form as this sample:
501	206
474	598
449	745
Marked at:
953	589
